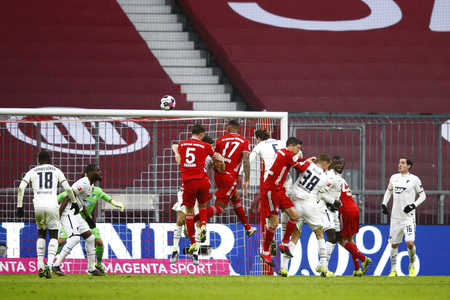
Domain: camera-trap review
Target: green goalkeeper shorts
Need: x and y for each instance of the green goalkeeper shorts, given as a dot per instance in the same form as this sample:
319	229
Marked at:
95	232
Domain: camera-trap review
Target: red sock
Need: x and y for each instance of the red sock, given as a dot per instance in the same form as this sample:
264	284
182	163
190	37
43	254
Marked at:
350	247
190	228
240	213
203	215
211	211
290	227
355	262
270	233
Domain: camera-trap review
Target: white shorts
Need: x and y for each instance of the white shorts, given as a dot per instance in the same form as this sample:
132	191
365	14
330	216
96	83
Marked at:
74	224
400	228
310	213
288	185
331	220
47	218
178	206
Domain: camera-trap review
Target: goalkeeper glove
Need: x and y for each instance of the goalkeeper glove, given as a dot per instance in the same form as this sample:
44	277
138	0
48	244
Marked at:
75	208
384	209
90	222
117	204
409	208
20	212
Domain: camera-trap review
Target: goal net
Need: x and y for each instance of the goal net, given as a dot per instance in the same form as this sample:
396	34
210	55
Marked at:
133	150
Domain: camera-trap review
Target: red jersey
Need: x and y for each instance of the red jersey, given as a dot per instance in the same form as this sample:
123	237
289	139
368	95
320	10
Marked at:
231	147
284	160
348	204
193	153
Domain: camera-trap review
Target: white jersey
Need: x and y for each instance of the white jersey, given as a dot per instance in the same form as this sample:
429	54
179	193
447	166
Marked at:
266	150
44	181
82	190
309	184
333	187
209	164
404	189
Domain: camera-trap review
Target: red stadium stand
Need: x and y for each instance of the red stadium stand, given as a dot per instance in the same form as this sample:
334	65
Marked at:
77	54
340	56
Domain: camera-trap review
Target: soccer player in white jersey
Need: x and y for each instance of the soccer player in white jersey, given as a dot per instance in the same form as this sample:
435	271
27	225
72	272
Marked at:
405	187
307	192
73	223
266	149
44	181
181	209
330	211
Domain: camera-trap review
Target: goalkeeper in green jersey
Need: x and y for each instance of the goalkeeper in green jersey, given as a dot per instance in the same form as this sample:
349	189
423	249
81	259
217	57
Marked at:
97	193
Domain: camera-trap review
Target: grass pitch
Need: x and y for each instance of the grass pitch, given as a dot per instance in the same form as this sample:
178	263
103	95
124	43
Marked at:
222	287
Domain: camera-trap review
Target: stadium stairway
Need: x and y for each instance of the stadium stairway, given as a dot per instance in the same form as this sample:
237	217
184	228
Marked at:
176	49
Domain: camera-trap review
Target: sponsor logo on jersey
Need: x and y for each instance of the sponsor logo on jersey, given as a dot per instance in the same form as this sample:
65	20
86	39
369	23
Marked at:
399	190
62	134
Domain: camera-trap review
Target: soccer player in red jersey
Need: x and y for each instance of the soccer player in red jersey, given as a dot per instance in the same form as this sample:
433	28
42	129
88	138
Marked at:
193	154
349	212
273	196
235	150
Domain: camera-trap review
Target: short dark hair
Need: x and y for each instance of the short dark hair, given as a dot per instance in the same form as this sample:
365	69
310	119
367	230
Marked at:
234	124
90	168
409	161
44	157
197	129
263	134
208	139
293	141
323	157
338	157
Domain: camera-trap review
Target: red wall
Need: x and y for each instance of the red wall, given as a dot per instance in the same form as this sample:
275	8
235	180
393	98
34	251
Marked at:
77	54
400	68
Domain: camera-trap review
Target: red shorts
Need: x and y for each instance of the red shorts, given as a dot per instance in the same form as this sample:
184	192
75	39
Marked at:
349	223
274	200
226	187
196	189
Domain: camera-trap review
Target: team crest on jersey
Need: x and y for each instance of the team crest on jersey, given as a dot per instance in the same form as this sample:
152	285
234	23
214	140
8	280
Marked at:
399	190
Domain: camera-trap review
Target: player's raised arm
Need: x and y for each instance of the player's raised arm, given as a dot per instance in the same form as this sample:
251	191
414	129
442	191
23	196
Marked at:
219	162
246	160
107	198
177	153
20	192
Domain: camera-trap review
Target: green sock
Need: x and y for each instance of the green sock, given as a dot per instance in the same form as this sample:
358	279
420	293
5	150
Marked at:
99	253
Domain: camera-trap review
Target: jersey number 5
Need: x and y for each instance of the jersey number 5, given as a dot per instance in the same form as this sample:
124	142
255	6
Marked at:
190	156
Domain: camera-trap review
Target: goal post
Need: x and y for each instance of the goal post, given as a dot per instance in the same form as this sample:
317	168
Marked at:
133	150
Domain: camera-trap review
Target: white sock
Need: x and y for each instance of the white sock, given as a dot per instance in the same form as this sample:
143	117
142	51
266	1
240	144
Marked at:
40	249
176	237
52	248
90	252
394	253
284	220
70	244
197	239
412	256
323	253
285	262
330	249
